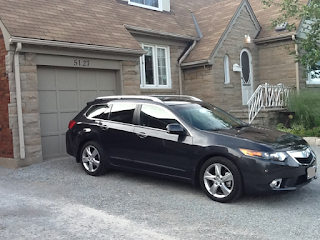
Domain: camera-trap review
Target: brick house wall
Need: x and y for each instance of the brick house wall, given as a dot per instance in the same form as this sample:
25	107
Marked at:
207	82
6	143
276	64
131	77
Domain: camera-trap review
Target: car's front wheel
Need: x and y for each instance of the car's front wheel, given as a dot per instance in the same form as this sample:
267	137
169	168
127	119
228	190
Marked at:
93	159
221	180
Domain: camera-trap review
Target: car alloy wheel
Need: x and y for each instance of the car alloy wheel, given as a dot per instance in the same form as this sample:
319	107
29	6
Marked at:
221	179
218	180
92	159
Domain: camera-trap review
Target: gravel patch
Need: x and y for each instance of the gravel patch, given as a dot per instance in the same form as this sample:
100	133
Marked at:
57	200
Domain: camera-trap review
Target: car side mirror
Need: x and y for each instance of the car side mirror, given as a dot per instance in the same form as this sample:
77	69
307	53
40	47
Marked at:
175	128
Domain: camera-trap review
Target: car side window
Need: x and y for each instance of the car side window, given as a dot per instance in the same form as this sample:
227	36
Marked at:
156	117
98	112
122	112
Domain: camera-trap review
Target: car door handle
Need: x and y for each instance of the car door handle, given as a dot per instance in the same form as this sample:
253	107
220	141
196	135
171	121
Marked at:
103	126
142	135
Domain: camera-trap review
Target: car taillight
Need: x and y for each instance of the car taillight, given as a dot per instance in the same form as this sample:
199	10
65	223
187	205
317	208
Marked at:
71	124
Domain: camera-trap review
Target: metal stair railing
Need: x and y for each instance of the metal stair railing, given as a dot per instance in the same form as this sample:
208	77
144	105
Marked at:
267	95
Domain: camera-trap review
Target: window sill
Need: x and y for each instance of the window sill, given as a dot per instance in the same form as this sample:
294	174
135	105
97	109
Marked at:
146	6
229	85
313	84
152	88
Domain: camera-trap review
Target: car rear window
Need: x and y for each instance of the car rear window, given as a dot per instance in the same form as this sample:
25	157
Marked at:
98	112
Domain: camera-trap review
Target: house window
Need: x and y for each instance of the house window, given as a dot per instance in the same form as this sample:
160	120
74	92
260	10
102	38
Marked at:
150	4
155	67
226	69
314	74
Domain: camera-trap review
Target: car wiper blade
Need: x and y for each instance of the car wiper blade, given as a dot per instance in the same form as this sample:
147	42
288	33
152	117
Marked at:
241	126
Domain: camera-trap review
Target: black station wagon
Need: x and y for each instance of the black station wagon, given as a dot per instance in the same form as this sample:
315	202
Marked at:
184	138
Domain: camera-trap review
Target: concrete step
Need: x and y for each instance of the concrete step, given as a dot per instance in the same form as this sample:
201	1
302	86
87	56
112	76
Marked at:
269	117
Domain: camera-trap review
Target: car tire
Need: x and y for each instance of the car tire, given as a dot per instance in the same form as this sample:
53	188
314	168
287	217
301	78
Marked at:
93	159
221	180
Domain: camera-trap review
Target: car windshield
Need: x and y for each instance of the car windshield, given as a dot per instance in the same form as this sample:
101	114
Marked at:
207	117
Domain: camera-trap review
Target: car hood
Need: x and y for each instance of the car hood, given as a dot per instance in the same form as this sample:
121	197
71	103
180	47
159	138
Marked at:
272	138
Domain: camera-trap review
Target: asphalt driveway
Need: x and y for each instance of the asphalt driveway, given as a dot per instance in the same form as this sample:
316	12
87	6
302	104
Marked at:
57	200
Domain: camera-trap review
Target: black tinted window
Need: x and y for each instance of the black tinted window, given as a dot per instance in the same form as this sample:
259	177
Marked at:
122	112
99	112
156	117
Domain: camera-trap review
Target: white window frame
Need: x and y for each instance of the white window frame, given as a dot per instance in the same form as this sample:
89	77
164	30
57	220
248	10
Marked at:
156	85
313	81
160	8
226	69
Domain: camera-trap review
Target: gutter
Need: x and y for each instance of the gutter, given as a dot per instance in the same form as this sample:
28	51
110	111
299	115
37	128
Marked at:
180	62
18	97
276	38
196	63
134	29
50	43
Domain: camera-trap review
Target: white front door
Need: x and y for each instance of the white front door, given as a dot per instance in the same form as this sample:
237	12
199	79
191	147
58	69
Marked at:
246	75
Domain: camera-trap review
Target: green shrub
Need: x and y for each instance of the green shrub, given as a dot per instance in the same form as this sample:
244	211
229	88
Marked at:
300	130
306	106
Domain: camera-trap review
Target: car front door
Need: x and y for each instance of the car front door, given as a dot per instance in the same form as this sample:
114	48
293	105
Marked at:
156	150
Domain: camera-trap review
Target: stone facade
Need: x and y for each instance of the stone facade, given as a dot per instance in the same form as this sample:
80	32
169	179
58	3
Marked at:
207	82
131	77
6	143
30	110
276	64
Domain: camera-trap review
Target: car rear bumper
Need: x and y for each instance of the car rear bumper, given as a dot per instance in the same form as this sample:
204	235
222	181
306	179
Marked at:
70	150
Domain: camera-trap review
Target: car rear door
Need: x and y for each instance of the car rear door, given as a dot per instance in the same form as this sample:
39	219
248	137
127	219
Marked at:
155	150
117	133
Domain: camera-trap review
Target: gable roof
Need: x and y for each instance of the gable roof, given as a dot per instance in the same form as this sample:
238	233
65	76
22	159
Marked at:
104	22
214	26
93	22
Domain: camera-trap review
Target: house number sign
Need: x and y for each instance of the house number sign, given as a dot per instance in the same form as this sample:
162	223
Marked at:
81	63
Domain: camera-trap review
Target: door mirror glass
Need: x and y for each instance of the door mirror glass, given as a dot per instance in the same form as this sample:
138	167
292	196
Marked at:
175	128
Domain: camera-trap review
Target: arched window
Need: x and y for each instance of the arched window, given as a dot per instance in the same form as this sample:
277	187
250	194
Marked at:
226	69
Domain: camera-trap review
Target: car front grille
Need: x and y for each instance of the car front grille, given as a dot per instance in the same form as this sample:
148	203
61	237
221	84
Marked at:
304	157
305	160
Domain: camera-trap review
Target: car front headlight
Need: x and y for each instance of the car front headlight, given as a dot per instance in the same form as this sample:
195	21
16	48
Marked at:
276	156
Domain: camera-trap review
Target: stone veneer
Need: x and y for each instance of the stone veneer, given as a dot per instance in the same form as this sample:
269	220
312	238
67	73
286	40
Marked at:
30	110
276	64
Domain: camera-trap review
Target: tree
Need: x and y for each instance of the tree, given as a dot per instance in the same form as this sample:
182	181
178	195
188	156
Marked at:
292	11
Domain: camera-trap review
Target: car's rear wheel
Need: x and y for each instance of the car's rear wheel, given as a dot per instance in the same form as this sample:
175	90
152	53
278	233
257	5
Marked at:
221	180
93	159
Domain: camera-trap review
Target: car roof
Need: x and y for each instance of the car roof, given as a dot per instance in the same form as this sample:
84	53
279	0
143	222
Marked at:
164	99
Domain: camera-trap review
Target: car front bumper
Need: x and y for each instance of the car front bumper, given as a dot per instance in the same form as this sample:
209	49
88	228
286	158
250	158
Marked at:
258	174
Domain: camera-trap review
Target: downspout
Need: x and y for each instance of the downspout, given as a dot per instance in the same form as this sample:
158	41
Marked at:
199	33
297	65
18	97
180	62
